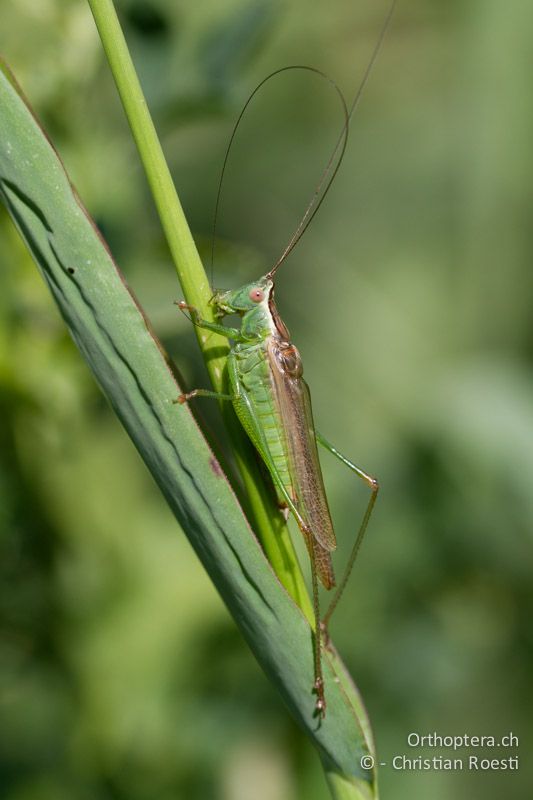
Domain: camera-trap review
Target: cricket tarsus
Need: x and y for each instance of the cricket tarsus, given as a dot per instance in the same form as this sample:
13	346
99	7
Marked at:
320	704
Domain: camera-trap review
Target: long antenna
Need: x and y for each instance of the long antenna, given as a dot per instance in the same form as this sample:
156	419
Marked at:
332	167
335	159
343	137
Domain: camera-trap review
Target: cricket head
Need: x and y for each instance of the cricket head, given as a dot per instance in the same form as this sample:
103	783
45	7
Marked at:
239	301
256	297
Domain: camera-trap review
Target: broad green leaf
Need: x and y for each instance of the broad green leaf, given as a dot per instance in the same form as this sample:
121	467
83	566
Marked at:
135	374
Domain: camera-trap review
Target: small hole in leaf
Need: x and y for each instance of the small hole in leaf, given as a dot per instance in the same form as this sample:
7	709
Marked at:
71	270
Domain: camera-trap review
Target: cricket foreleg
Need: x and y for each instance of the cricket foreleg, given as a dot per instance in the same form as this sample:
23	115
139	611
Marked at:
215	327
184	398
373	485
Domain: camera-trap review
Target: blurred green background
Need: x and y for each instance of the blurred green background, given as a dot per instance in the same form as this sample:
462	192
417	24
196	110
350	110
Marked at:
122	675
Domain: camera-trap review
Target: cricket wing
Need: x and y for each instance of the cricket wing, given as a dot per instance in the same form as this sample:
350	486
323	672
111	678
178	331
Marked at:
294	406
322	563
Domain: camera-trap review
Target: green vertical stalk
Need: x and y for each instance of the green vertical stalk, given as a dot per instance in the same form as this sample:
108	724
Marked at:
195	285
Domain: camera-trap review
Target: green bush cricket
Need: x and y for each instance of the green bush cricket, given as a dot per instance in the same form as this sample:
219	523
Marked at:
272	400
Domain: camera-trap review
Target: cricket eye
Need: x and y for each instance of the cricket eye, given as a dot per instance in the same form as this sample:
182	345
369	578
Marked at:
257	295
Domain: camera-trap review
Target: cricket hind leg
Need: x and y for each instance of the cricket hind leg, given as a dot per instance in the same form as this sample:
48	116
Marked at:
373	485
215	327
318	686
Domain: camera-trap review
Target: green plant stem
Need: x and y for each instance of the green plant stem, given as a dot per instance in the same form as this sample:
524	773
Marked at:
259	500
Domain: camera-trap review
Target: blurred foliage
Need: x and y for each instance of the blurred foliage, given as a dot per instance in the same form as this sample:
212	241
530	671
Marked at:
122	675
